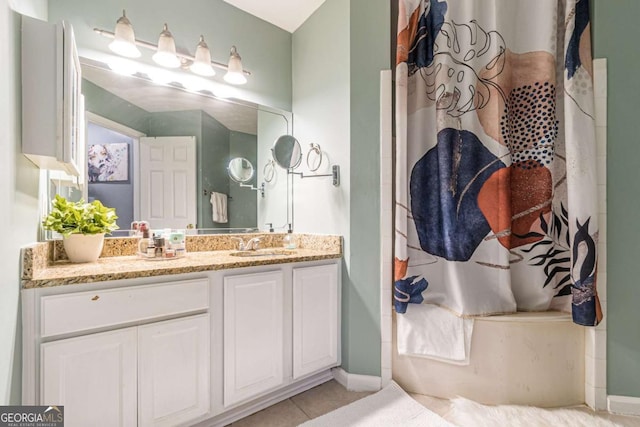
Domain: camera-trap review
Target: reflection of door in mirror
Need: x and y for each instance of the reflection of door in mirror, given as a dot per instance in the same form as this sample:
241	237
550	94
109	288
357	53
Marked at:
168	181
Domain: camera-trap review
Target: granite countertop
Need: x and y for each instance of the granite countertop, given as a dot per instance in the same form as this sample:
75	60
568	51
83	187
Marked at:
38	274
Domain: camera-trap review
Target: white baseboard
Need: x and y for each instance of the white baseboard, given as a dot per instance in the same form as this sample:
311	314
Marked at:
355	382
624	405
235	414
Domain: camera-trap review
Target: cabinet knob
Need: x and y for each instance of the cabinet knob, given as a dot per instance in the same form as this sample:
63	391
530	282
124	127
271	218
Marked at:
96	298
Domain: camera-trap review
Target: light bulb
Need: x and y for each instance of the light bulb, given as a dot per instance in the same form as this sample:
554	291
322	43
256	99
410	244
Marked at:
166	53
235	74
202	63
124	42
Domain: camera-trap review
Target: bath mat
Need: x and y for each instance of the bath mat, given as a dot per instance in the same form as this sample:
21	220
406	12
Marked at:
466	413
389	407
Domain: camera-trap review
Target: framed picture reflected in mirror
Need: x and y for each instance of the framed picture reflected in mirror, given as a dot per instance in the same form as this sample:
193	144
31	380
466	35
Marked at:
108	162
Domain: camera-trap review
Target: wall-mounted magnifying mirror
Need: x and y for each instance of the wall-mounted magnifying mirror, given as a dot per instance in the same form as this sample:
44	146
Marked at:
240	170
286	152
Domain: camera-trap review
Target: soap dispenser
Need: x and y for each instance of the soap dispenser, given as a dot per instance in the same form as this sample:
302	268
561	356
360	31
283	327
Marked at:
288	242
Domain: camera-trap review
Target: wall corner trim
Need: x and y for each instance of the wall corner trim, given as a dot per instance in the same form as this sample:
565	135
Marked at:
621	404
355	382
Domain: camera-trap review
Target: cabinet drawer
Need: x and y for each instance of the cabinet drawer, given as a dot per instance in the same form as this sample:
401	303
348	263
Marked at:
68	313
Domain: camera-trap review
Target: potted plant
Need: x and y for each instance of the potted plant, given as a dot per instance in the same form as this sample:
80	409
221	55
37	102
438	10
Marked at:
82	225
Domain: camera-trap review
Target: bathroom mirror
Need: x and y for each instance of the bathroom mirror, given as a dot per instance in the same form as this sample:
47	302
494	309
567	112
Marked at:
240	170
134	117
286	152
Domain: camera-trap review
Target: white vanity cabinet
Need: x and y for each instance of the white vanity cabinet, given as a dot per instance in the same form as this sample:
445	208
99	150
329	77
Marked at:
173	371
253	335
316	316
150	368
183	349
280	329
94	377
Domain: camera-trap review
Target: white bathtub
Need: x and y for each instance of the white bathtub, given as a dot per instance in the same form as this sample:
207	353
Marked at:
524	358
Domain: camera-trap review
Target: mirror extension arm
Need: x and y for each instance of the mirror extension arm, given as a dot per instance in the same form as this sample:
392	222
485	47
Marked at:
260	189
335	174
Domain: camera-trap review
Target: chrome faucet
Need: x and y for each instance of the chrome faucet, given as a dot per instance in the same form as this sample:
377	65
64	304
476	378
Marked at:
251	244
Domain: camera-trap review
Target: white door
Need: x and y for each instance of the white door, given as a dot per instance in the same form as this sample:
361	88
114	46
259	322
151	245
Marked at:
315	319
94	377
253	335
168	181
173	371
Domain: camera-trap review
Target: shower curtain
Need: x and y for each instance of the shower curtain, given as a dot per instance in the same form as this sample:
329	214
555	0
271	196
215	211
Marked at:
496	207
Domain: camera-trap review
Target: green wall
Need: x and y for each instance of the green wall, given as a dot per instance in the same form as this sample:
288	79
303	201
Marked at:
18	195
338	54
212	168
615	34
108	105
370	45
243	205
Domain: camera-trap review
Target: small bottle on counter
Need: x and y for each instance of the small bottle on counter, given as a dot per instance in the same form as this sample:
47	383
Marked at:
151	247
143	244
159	244
177	242
288	242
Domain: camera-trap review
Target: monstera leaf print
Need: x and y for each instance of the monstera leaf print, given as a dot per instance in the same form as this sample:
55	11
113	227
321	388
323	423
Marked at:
444	189
465	59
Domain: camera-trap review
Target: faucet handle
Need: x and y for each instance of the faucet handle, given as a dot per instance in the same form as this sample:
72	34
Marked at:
253	244
241	245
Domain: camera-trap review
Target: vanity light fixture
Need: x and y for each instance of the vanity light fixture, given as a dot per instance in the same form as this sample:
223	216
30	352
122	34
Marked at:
126	44
124	41
235	73
202	63
166	53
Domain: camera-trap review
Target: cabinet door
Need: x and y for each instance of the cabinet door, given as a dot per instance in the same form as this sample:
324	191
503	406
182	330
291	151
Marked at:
94	377
315	319
253	335
173	366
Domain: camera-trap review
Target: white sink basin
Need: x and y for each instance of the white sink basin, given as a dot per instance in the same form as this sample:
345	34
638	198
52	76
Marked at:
263	252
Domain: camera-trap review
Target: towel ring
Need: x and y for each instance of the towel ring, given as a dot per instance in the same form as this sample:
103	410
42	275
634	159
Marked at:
315	148
269	171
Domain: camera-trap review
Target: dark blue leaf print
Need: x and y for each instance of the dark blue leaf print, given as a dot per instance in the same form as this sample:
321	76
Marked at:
444	189
572	59
589	260
584	299
429	25
406	292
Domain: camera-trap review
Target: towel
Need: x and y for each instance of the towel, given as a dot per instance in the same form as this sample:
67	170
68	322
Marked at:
427	330
219	207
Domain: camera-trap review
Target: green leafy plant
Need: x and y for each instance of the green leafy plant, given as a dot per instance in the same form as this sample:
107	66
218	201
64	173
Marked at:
80	218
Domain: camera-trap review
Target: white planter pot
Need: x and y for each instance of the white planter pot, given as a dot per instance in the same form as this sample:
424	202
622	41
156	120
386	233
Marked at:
83	247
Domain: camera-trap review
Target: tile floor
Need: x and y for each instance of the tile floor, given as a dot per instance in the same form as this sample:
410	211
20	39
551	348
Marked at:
331	395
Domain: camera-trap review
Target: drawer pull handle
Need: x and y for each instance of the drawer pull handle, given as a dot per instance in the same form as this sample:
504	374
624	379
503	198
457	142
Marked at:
96	298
